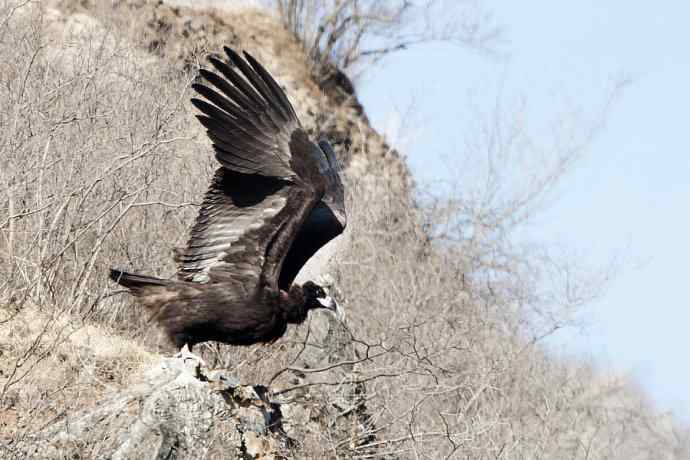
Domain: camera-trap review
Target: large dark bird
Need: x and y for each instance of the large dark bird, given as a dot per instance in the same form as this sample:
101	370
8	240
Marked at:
276	199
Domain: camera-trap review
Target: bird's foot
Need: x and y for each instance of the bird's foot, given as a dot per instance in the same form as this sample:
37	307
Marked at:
185	354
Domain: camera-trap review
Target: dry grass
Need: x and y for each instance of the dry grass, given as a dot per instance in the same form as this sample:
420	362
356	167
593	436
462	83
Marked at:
53	366
102	162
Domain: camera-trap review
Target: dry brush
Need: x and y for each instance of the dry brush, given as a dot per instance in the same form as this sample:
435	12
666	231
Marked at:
102	162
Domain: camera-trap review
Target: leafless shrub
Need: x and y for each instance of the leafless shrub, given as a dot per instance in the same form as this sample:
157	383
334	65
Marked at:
343	34
439	357
89	134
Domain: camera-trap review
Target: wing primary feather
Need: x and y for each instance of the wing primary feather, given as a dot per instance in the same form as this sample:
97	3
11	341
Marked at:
222	102
225	87
250	71
234	133
264	104
256	81
241	84
248	115
242	121
232	148
273	85
214	113
271	107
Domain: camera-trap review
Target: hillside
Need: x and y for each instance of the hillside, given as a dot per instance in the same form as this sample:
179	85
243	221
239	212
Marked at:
103	163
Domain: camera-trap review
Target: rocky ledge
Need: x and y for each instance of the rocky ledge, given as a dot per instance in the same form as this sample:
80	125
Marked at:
179	410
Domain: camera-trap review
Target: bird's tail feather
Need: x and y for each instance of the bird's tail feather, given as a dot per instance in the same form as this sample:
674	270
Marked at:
135	282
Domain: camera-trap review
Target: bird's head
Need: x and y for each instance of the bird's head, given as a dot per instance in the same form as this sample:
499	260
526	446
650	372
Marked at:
316	297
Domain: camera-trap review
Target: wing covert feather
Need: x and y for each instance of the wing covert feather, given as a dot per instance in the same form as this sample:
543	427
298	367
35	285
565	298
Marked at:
233	222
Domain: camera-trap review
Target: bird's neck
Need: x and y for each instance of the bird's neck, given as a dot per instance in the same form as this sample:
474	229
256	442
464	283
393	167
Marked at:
293	305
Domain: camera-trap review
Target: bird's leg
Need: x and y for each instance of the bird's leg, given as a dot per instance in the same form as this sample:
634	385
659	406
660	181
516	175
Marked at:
185	354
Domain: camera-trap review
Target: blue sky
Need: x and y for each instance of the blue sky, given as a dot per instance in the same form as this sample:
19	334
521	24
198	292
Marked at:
630	194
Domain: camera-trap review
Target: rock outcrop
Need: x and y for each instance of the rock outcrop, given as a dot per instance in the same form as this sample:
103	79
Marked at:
179	409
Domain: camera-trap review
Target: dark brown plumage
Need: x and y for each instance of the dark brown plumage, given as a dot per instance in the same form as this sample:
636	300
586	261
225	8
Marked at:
276	199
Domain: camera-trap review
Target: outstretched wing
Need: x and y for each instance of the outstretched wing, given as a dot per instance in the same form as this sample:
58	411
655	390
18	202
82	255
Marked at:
273	182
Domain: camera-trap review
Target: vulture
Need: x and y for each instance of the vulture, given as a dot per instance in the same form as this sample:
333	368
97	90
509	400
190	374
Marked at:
275	200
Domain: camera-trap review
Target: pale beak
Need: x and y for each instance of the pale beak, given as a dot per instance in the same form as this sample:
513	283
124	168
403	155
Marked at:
330	304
